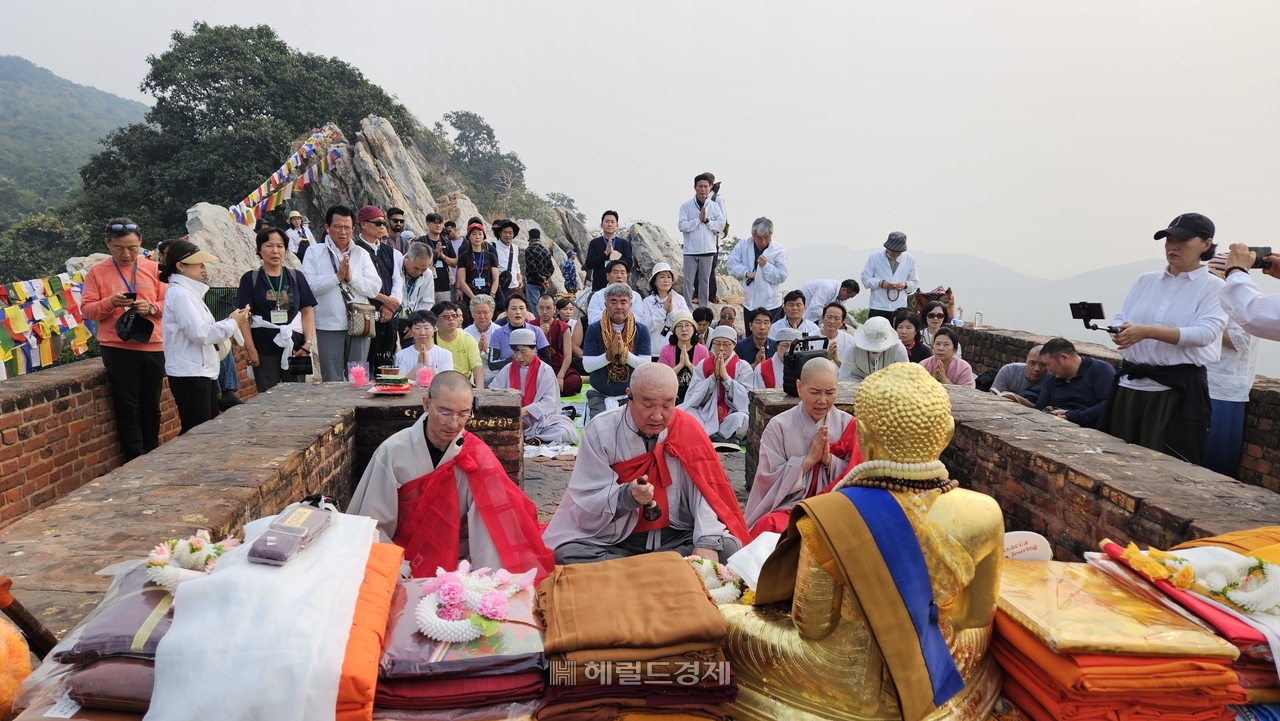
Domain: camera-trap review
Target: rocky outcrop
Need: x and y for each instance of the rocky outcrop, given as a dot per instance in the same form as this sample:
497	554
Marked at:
376	169
651	245
213	229
85	262
458	207
575	235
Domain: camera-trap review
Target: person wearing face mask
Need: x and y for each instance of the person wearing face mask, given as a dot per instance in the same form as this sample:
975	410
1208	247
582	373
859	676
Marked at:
190	334
1171	327
646	479
126	282
282	315
803	450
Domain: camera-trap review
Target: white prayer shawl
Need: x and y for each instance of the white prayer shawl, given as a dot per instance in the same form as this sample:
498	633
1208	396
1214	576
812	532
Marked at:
783	447
700	400
857	363
253	641
758	380
589	509
544	420
284	336
878	269
402	458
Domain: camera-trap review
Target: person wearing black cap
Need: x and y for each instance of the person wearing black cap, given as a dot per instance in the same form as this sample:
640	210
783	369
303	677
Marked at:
508	259
1171	329
890	277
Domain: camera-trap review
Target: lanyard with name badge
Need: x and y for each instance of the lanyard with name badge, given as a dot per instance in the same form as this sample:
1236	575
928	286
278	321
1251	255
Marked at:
279	316
132	288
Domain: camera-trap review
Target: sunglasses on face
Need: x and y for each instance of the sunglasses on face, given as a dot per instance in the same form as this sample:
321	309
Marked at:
378	223
935	315
122	228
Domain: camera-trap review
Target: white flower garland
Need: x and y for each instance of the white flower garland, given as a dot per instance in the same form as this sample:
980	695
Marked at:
477	597
1250	584
722	584
178	560
434	627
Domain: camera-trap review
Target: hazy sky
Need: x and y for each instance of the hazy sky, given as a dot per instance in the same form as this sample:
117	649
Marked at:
1053	138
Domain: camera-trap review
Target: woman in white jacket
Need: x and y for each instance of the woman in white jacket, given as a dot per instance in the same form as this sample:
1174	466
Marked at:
190	334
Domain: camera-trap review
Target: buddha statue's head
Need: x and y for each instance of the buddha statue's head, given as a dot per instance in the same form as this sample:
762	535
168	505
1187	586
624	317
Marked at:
904	415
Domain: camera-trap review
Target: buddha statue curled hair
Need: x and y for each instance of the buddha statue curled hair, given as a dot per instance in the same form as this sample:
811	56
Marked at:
903	414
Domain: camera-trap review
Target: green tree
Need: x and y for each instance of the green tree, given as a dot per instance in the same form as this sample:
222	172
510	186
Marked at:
229	101
560	200
477	155
38	245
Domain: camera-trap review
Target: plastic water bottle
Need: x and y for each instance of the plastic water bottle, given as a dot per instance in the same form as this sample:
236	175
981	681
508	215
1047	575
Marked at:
977	320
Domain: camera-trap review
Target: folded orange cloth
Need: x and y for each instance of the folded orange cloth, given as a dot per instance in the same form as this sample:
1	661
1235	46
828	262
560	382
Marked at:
1032	710
1242	542
368	625
1201	704
1101	673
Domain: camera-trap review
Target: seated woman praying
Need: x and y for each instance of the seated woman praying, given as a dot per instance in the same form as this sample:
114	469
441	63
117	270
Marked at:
437	490
424	353
769	373
945	365
717	396
683	352
803	450
540	392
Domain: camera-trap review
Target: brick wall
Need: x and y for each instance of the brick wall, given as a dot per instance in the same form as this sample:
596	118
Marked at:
1260	454
249	462
1073	485
57	432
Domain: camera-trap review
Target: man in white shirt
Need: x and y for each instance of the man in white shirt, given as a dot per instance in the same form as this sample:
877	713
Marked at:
793	316
386	259
509	254
890	276
761	264
617	273
417	283
1258	314
820	293
701	221
482	328
338	262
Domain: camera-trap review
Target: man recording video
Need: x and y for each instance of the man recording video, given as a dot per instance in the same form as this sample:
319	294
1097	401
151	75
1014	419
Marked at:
1257	313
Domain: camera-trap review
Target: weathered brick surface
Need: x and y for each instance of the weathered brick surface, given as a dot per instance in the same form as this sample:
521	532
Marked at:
1260	453
251	461
57	432
1073	485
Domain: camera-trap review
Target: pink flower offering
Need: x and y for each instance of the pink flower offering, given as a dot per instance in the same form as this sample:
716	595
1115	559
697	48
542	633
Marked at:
359	376
196	543
725	574
160	555
424	377
229	543
451	591
502	576
493	606
454	612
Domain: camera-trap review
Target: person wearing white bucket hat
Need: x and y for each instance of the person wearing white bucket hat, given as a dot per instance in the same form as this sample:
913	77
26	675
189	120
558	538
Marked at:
875	346
658	310
540	414
718	394
300	238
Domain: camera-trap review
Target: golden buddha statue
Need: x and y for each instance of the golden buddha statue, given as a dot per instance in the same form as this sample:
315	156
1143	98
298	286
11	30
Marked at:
833	653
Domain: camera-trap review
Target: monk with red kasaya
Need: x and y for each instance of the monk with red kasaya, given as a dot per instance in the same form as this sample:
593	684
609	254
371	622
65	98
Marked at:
646	479
439	493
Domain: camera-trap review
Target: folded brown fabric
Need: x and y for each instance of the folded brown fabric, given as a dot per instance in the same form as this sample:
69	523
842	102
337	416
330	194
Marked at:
607	709
591	669
643	626
130	625
118	684
457	692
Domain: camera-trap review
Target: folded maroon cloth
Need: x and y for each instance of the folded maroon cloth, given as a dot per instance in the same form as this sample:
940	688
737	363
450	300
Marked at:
457	692
606	709
132	624
516	648
651	694
117	684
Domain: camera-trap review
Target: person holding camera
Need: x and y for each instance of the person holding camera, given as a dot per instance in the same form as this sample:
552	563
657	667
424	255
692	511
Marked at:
124	295
1243	302
1170	331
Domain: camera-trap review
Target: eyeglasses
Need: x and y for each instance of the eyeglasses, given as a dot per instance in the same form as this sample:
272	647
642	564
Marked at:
936	315
341	228
122	228
450	315
447	417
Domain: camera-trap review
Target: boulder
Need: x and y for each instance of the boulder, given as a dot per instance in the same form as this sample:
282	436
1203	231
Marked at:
651	245
458	207
213	229
377	169
575	236
85	262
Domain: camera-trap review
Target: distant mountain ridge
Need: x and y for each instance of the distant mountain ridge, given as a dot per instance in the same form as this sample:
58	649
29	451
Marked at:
49	126
1006	297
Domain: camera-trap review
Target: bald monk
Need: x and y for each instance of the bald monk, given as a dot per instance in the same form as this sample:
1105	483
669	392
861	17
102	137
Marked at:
804	450
647	453
438	492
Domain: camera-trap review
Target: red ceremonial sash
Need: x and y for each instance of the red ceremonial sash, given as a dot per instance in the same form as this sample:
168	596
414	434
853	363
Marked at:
709	368
766	372
846	449
428	514
530	390
688	443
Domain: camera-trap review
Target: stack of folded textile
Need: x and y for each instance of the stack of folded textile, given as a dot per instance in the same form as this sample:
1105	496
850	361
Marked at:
634	638
1256	667
1075	643
421	674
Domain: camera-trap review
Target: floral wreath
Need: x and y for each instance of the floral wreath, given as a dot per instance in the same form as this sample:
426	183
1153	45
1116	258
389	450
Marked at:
723	585
1247	584
463	605
178	560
